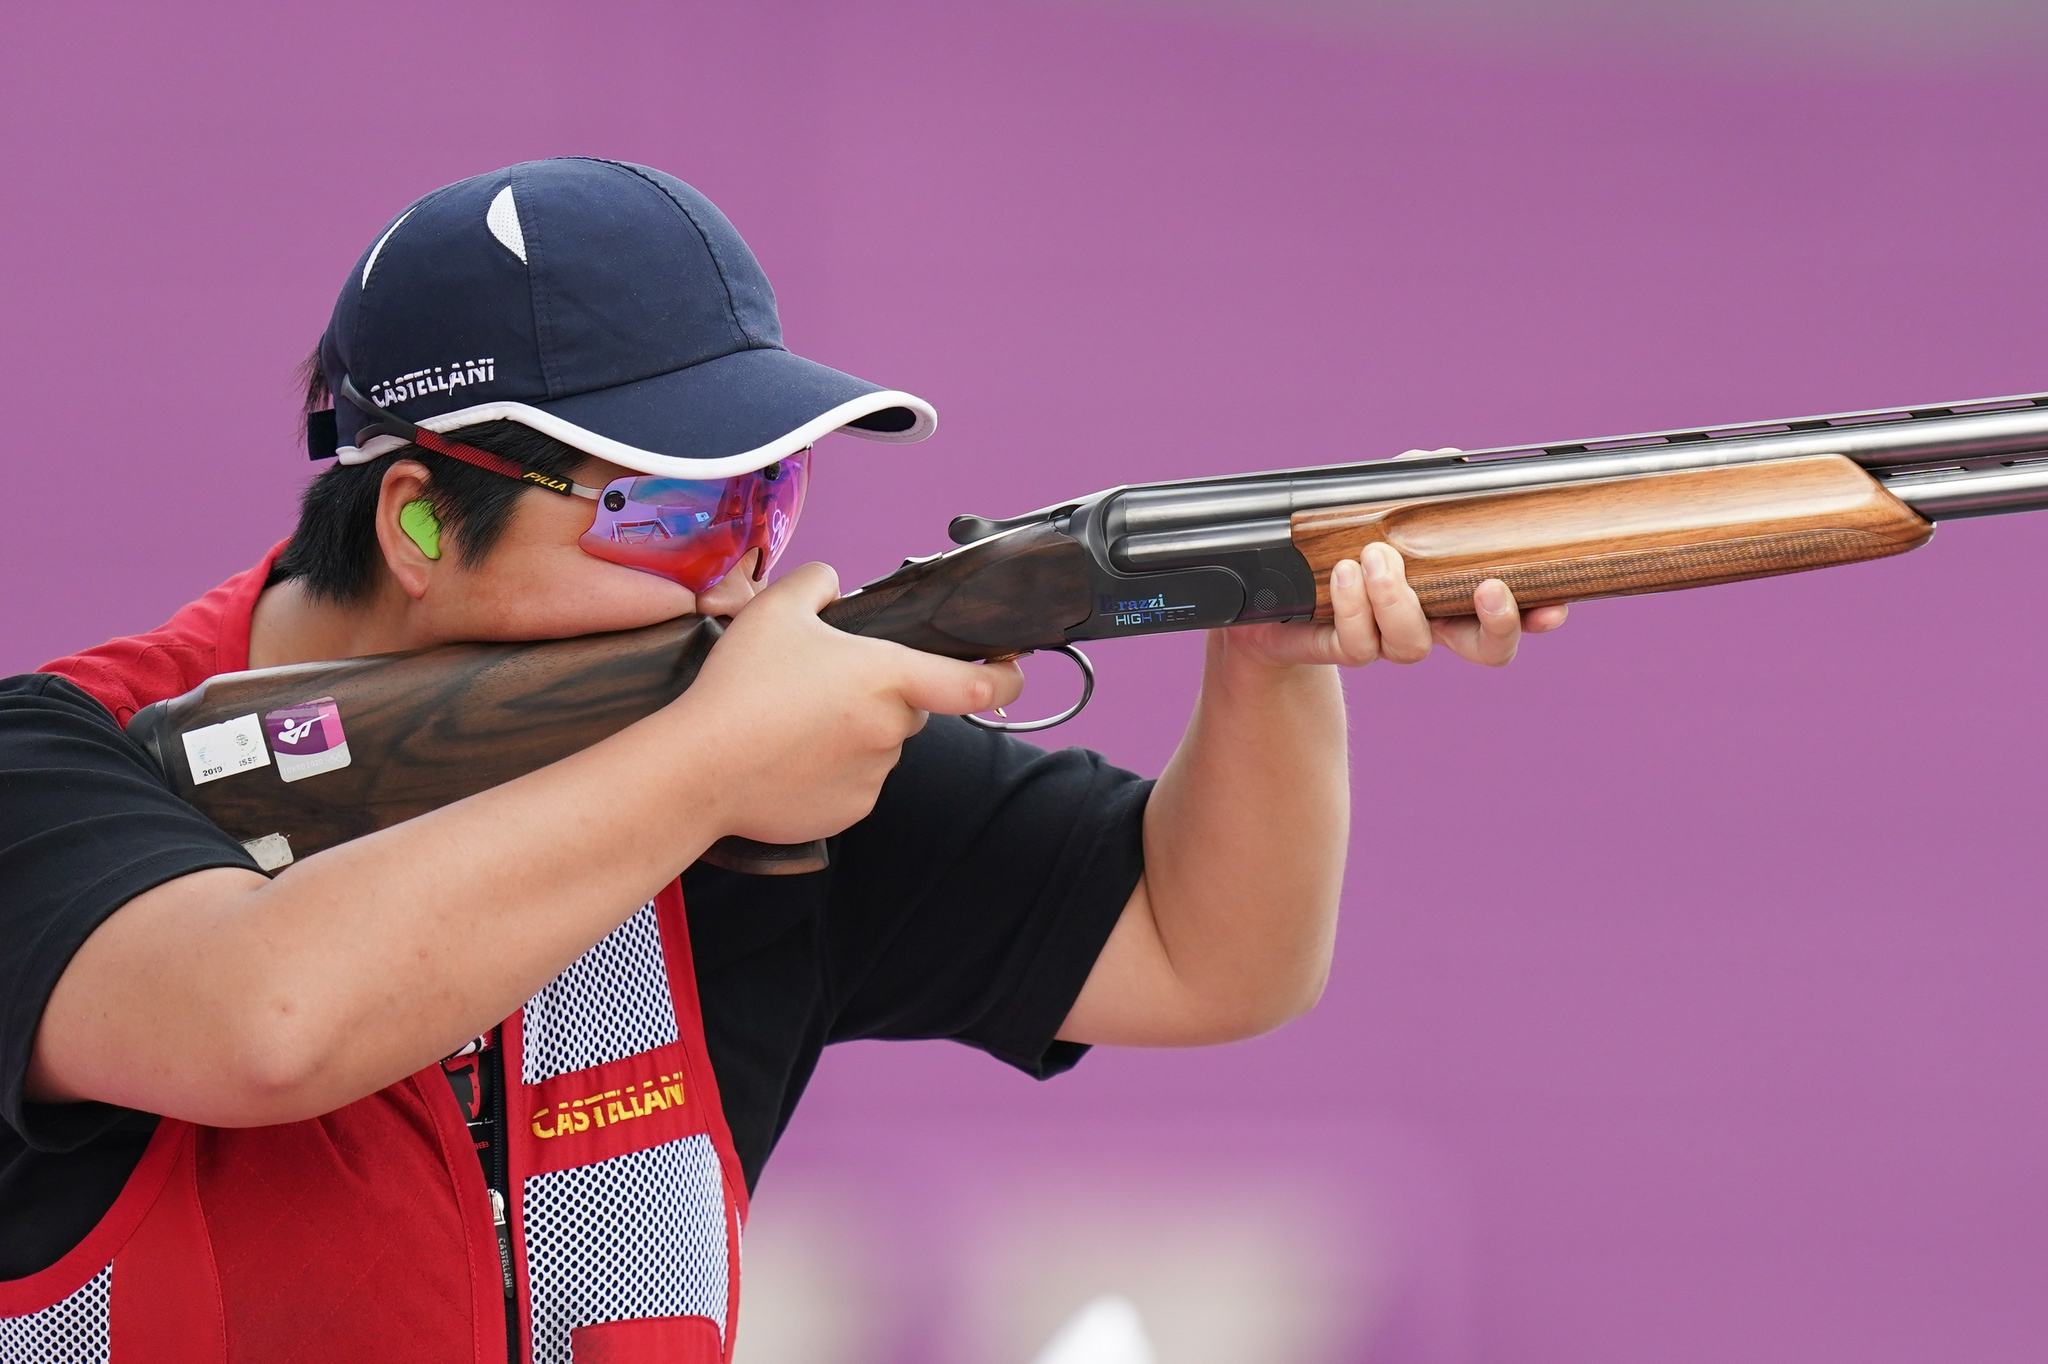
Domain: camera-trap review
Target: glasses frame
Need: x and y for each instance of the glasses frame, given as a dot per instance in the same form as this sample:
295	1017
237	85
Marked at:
389	423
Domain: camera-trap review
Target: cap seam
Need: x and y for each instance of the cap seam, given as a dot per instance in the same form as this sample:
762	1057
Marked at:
732	307
538	299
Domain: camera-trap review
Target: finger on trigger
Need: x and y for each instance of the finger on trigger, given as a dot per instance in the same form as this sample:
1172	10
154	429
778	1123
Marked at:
947	686
1403	629
1010	680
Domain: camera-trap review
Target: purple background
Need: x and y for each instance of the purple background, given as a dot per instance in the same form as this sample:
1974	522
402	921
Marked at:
1689	1003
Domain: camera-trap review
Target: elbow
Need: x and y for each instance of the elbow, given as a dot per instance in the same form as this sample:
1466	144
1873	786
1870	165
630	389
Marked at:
1275	1003
1292	984
1284	1003
275	1065
1307	992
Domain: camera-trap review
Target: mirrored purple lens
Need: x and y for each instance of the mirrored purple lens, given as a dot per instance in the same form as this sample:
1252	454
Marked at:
697	531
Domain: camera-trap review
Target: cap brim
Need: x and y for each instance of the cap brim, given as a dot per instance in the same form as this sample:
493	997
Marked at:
727	416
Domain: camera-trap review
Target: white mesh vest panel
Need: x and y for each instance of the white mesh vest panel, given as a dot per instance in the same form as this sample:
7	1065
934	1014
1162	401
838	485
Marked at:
642	1234
635	1236
73	1331
612	1002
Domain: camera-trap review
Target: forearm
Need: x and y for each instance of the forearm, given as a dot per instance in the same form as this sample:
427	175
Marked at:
1230	931
1244	857
230	1000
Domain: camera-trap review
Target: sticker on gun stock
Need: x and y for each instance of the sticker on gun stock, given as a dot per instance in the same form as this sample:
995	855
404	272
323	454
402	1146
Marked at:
307	739
222	750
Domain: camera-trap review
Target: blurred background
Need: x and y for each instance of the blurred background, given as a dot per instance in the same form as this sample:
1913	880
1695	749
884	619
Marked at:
1689	1002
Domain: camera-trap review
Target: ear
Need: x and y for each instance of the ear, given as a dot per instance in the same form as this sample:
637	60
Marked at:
405	481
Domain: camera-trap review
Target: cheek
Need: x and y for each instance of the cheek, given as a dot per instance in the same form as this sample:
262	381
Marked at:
555	590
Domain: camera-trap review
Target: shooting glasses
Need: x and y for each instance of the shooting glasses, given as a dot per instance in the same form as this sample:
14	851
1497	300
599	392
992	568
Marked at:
690	531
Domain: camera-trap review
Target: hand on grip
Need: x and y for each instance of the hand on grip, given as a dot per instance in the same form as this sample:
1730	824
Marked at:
811	720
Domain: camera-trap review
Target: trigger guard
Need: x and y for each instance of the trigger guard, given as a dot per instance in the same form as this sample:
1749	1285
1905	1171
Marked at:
1029	726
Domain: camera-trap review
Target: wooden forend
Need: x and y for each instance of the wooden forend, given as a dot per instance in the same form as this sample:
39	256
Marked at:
1622	536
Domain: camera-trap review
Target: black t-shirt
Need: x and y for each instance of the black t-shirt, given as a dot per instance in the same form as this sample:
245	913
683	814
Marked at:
971	904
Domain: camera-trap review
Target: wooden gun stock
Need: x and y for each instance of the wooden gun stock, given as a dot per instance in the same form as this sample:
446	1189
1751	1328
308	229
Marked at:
427	728
1622	536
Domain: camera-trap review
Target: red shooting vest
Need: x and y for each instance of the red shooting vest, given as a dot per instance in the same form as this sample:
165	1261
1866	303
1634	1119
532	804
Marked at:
367	1233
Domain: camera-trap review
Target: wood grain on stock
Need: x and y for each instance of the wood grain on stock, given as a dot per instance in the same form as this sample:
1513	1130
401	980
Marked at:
1619	537
426	729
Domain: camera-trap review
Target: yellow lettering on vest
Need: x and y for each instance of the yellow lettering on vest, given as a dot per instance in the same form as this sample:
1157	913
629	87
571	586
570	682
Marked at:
639	1099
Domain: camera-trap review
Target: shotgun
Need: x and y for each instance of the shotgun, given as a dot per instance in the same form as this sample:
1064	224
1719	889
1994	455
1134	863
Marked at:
364	743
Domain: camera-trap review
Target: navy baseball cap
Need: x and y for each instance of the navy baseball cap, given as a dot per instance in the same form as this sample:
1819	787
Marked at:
608	305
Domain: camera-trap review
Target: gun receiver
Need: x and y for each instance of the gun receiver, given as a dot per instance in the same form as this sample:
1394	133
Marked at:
1560	522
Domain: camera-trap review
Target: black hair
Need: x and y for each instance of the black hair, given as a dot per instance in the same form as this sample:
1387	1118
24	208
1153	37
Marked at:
334	549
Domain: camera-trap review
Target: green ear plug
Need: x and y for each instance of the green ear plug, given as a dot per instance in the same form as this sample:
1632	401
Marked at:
416	518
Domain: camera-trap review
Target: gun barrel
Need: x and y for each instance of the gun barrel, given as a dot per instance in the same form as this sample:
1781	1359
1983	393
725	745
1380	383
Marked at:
1993	429
1952	494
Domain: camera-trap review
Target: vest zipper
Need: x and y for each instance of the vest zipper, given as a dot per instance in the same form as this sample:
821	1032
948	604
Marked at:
498	1179
504	1238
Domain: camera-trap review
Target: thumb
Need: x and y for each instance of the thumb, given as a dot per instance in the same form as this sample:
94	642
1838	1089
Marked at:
811	588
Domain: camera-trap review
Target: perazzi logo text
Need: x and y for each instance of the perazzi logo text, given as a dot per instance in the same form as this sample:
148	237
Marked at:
611	1107
1143	610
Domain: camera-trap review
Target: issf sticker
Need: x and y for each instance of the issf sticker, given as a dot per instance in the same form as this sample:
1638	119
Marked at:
307	739
222	750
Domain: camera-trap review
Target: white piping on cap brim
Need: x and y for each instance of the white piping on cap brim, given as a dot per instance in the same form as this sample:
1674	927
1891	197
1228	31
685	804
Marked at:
672	466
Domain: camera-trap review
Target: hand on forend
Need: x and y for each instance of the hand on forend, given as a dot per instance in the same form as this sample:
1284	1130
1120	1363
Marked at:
1377	615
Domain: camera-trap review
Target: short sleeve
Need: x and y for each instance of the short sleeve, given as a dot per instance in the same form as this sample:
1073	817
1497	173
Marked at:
974	901
87	823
